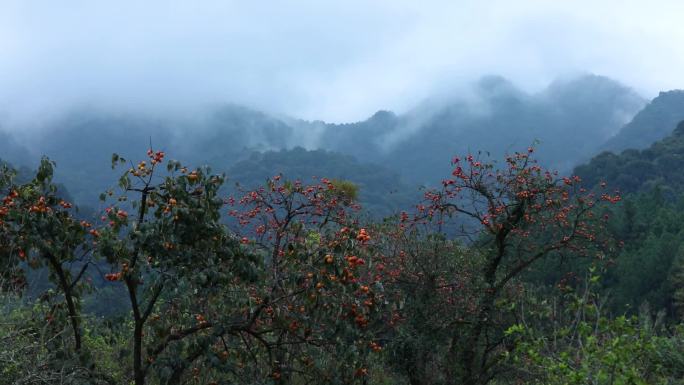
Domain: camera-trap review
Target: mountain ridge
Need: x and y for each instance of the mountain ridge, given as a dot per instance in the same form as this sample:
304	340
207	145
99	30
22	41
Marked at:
570	118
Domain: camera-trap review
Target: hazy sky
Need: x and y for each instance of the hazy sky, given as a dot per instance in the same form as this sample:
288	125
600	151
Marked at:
317	59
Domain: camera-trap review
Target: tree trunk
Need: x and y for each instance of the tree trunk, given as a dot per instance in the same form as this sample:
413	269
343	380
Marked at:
68	297
137	354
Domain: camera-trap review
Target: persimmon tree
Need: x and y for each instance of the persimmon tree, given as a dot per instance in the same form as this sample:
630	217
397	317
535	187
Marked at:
325	305
300	290
494	222
279	299
179	264
290	297
431	283
40	229
11	276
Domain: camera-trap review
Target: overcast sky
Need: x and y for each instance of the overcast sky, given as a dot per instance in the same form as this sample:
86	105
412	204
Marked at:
317	59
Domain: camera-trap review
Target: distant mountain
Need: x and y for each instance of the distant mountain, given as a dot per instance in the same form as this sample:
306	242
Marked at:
12	150
631	171
652	123
82	142
362	139
570	119
231	132
232	139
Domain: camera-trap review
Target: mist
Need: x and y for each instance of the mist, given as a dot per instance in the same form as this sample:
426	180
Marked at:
338	62
359	192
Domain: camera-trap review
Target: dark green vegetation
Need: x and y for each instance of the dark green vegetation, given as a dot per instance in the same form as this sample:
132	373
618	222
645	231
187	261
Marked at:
381	190
652	123
632	171
179	277
650	221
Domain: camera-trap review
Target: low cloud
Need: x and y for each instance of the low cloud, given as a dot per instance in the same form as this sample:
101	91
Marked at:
317	60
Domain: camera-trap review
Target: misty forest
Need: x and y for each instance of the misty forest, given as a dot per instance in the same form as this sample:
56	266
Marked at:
524	228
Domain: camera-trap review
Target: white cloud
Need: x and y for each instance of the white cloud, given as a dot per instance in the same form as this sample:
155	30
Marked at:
337	61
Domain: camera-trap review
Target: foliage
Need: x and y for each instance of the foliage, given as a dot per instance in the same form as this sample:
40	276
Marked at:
640	170
645	268
572	340
526	214
206	304
298	289
34	348
322	299
40	229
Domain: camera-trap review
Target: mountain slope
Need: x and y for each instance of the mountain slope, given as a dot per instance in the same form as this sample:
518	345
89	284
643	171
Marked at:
652	123
381	191
633	170
570	119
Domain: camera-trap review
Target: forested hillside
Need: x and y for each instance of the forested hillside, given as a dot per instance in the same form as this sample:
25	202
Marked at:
651	124
265	262
302	287
634	170
346	192
648	221
381	190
